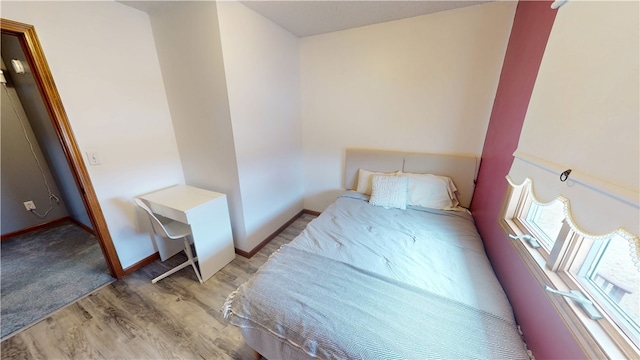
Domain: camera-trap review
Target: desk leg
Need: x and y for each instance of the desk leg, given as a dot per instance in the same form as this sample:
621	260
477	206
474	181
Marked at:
212	237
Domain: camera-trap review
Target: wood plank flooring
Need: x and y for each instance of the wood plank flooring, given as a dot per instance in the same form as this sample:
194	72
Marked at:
134	319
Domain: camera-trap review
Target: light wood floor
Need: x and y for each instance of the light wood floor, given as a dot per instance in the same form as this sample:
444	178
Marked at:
177	318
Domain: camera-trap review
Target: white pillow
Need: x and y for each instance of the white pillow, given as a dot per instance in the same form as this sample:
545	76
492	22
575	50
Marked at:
431	191
364	180
389	191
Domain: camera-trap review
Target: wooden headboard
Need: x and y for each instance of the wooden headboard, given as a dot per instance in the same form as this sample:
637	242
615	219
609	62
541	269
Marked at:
462	169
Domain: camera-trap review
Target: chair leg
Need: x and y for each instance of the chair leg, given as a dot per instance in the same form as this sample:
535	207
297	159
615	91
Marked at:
187	250
172	271
190	261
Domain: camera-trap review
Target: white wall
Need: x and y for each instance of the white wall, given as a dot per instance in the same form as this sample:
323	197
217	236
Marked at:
585	105
262	72
187	38
104	62
420	84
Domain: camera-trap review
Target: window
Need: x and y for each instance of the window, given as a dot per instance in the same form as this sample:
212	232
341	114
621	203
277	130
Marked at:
604	270
608	273
545	220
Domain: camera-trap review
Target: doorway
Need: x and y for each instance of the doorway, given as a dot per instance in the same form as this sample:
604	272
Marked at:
26	35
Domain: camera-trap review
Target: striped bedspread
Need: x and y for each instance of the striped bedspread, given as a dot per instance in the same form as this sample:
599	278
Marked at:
332	310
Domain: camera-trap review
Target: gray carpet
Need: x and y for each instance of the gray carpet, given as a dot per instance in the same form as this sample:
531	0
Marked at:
46	269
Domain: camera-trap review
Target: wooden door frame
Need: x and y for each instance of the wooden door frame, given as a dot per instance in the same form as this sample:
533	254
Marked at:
42	74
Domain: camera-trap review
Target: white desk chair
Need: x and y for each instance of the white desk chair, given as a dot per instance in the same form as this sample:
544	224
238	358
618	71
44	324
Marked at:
173	230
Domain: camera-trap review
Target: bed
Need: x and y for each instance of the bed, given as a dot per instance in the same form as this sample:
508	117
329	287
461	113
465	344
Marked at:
387	271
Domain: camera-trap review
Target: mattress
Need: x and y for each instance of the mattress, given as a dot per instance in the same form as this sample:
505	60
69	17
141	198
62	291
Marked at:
367	282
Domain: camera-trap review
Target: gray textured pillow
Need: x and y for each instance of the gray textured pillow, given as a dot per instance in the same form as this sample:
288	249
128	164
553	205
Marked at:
389	191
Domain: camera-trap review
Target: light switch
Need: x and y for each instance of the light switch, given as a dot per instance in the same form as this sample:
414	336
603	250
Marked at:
94	158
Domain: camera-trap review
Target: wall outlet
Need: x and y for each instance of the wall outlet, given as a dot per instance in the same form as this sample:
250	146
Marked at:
29	205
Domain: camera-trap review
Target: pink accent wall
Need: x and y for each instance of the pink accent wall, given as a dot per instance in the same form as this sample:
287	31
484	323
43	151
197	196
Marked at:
545	332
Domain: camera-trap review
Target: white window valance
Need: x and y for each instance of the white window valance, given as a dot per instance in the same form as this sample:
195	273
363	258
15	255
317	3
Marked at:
597	207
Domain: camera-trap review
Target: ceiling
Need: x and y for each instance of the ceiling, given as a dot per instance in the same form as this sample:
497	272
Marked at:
306	18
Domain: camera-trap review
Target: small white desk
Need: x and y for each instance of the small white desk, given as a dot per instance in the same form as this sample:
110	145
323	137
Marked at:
207	214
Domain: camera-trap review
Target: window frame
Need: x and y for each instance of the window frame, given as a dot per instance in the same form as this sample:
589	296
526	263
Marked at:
599	339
